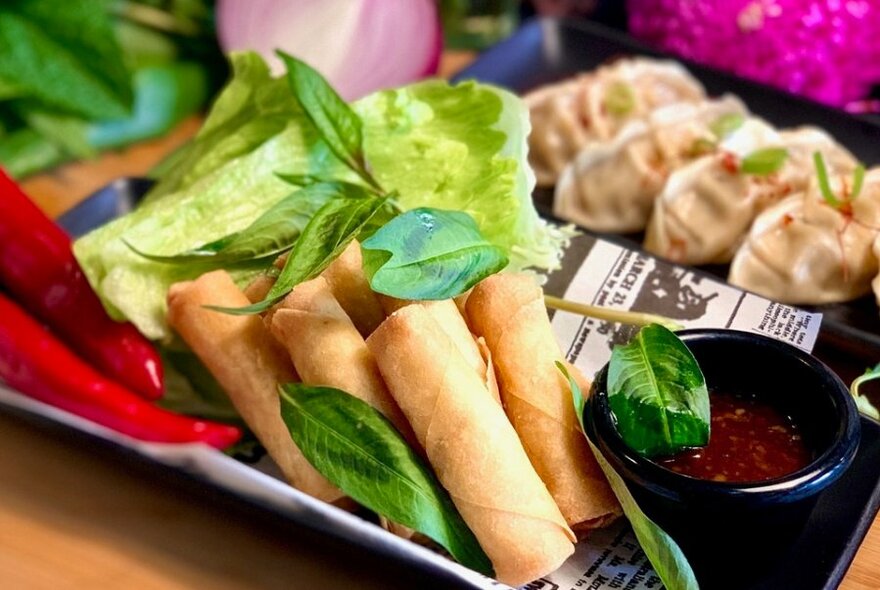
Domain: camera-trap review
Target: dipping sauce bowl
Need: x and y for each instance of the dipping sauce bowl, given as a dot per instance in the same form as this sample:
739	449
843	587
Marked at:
733	532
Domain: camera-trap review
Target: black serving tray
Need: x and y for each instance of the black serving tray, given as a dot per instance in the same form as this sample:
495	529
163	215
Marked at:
817	561
547	50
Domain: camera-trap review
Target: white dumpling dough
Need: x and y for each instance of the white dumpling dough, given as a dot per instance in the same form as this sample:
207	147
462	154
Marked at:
611	186
706	208
804	251
567	115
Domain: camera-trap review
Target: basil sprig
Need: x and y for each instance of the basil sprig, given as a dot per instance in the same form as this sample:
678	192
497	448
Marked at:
358	450
429	254
764	161
327	234
271	234
339	126
658	394
662	551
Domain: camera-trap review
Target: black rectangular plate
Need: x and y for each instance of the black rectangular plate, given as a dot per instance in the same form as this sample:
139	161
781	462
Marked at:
818	560
547	50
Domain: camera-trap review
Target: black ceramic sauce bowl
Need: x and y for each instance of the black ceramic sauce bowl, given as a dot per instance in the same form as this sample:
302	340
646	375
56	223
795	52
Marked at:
732	532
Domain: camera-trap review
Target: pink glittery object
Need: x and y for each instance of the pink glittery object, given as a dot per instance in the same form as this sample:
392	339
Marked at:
828	50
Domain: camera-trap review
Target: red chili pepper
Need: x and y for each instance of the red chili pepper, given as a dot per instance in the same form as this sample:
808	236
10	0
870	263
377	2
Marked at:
40	366
38	268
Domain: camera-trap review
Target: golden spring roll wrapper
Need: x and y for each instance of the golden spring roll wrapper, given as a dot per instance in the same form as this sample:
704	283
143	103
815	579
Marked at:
350	286
240	354
472	447
327	349
491	380
258	288
446	313
508	311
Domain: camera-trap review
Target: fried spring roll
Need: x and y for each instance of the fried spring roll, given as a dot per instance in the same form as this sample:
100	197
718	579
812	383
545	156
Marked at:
447	314
258	288
352	290
327	349
239	352
508	311
472	447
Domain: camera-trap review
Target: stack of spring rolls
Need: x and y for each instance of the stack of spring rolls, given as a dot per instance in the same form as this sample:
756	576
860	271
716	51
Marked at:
471	385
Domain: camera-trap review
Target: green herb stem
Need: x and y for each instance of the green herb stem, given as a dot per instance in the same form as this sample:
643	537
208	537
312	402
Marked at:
632	318
824	183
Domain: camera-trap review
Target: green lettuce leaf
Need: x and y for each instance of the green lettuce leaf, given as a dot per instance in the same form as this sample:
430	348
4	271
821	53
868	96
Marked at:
451	147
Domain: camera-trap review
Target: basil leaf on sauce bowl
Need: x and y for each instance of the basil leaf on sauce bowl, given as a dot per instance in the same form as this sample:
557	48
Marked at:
359	451
429	253
662	551
657	394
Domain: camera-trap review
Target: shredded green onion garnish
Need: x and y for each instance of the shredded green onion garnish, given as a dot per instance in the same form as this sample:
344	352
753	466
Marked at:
764	161
726	124
865	406
620	99
824	184
858	181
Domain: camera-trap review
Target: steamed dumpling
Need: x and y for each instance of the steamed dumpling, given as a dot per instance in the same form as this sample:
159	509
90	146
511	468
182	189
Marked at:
804	251
567	115
706	208
611	186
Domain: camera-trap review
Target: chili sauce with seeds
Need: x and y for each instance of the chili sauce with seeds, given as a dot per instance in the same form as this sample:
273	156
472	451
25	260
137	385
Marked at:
750	441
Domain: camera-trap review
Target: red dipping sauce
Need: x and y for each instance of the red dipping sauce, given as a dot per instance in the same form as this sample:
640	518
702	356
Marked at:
750	441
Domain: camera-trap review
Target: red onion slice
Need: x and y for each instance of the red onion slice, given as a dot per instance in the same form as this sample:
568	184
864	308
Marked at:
359	45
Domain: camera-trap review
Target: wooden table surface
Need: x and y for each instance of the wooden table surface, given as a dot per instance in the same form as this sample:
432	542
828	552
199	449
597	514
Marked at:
71	520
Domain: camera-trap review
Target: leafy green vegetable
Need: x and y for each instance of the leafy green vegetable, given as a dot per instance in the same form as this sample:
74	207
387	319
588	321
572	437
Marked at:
191	389
658	394
339	221
662	551
429	254
358	450
65	55
864	404
620	99
726	124
338	125
451	147
764	161
271	234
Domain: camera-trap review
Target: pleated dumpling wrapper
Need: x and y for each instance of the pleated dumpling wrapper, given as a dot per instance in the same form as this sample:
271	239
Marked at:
707	207
244	358
596	106
611	186
508	311
472	447
804	251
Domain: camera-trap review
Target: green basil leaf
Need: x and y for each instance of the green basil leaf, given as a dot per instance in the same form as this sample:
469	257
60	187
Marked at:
620	99
65	55
658	394
271	234
359	451
662	551
764	161
726	124
338	124
429	253
327	234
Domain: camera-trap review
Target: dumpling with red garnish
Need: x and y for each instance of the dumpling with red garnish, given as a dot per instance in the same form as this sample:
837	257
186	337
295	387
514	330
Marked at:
706	208
567	115
611	186
817	246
